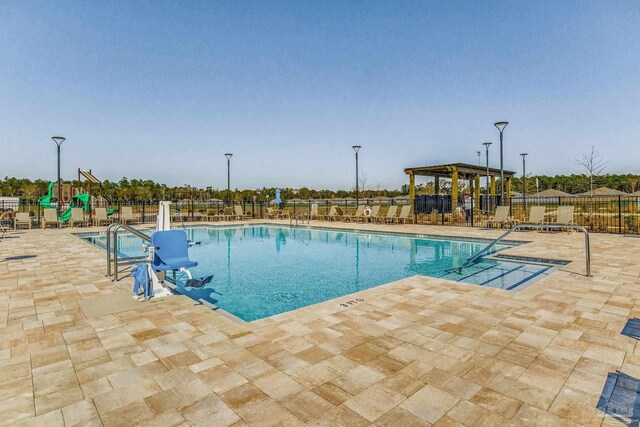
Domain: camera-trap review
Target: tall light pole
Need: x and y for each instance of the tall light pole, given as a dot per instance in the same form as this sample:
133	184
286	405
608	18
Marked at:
479	153
486	148
501	126
228	156
357	148
58	140
524	179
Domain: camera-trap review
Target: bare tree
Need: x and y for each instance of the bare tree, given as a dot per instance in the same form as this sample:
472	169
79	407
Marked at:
593	165
363	182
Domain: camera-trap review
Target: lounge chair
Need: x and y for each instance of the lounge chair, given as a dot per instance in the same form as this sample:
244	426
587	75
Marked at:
536	215
405	215
564	216
391	214
331	214
357	215
270	213
213	215
100	217
22	219
285	213
313	214
500	218
50	217
240	213
77	218
127	217
375	214
4	228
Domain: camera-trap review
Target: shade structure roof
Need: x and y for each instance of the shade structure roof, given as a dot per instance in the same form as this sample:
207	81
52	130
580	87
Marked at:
551	192
465	171
604	191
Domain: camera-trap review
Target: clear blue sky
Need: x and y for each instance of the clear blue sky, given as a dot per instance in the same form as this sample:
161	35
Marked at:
163	89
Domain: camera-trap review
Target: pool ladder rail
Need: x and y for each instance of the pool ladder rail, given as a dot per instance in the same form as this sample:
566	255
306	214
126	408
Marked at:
587	246
300	216
113	260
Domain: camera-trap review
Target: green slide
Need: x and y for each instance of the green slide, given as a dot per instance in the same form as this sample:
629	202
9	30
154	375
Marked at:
64	216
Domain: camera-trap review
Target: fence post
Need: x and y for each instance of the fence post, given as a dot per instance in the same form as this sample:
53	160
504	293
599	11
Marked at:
619	215
472	209
143	217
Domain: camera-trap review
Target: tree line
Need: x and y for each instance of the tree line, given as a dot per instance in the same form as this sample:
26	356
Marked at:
128	190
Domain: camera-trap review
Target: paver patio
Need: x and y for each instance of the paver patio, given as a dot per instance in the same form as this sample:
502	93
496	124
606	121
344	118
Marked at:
420	351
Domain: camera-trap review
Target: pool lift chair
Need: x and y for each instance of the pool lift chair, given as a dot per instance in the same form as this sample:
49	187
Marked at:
168	251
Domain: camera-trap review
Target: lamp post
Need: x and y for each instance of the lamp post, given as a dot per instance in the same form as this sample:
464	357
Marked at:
357	148
486	148
479	153
228	156
524	179
58	140
501	126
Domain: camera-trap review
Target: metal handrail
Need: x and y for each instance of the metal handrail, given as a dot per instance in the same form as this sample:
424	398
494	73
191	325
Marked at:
299	214
587	246
113	229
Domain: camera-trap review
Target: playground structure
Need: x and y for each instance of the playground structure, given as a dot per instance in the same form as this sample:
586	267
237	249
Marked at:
74	197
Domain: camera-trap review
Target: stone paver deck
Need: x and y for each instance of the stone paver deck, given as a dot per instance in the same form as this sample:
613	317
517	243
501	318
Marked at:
420	351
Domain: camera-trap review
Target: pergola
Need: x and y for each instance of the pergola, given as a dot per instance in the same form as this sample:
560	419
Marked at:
456	171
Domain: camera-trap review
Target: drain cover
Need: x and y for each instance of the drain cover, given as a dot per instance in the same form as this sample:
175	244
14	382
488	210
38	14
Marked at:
282	297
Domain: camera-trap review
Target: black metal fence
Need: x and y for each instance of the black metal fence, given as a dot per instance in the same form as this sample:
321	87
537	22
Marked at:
607	214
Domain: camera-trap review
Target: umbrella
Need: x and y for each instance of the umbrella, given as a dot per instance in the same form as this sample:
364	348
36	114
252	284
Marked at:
277	201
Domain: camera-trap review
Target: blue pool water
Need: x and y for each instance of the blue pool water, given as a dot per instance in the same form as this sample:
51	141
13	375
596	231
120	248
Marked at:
262	270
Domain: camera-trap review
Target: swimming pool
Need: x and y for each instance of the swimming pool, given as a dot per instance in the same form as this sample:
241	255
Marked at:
263	270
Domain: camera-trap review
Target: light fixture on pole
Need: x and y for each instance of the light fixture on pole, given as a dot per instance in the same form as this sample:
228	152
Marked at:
357	148
501	126
479	153
524	179
228	156
58	140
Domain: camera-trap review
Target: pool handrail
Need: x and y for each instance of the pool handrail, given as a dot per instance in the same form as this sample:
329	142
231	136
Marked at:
113	229
587	246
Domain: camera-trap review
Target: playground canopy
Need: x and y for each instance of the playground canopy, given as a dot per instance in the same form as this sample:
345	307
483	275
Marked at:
456	171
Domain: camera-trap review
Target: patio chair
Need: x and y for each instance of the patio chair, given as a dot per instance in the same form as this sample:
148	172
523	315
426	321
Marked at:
313	214
213	215
500	218
127	216
391	214
375	214
405	215
536	215
50	217
77	217
285	213
100	217
22	219
270	213
564	216
4	228
331	214
240	213
359	213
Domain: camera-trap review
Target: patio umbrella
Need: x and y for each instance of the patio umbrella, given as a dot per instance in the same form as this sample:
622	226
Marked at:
277	201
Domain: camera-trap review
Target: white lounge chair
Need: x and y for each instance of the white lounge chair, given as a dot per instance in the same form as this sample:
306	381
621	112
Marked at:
127	217
359	212
391	213
101	217
501	217
22	219
404	215
77	218
50	217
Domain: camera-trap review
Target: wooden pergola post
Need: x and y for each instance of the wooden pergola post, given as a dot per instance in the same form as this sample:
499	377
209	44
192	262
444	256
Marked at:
412	187
454	190
476	193
508	186
493	185
437	185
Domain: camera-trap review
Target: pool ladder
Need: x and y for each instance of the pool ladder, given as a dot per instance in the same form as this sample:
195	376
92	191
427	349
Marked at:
113	260
587	246
300	216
